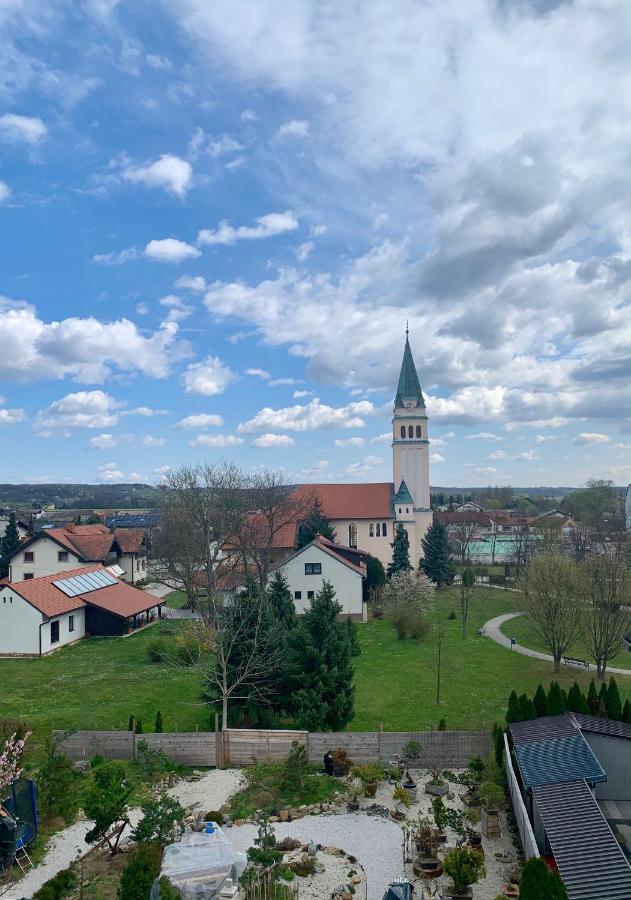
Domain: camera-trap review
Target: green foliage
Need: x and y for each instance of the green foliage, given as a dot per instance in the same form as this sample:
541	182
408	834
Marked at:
369	773
555	702
375	573
464	866
9	543
498	744
626	711
140	873
266	789
614	703
158	725
527	707
400	561
58	887
320	668
159	650
592	698
412	751
602	701
131	723
436	562
514	712
576	700
161	816
539	883
540	701
138	726
281	602
492	796
54	785
468	577
353	640
105	800
442	725
151	762
167	890
295	769
315	523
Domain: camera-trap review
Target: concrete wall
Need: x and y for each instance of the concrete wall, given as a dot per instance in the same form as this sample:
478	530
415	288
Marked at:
346	582
614	755
45	560
20	627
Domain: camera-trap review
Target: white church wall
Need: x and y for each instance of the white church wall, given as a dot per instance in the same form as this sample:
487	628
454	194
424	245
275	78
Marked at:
376	546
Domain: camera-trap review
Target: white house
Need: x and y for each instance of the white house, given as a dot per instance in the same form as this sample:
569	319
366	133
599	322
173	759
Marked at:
322	560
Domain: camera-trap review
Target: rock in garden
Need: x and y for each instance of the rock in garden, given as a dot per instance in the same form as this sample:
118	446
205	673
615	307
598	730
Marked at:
273	819
283	815
288	844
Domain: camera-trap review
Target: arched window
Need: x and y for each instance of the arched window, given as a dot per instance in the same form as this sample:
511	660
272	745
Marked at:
352	535
419	433
384	530
371	530
378	530
403	431
410	431
407	509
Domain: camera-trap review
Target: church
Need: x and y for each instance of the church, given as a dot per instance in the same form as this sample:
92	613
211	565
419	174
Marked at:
365	515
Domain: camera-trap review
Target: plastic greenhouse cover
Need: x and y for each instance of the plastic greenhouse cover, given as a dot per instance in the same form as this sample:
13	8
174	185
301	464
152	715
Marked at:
199	864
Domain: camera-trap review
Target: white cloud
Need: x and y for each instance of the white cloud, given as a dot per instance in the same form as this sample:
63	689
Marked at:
5	191
311	417
436	458
258	373
349	442
363	469
591	437
545	438
178	310
216	440
497	454
209	377
109	472
483	436
527	455
284	382
202	420
298	128
171	173
118	259
11	416
102	442
22	129
249	115
145	411
191	283
304	250
84	409
161	63
385	438
170	250
149	440
273	440
266	226
142	309
298	394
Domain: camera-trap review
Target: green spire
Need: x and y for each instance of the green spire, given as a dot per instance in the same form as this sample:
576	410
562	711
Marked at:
403	495
409	387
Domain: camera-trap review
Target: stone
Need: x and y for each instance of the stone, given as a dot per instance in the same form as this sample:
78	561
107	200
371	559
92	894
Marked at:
283	815
287	844
273	819
239	821
333	851
318	868
356	879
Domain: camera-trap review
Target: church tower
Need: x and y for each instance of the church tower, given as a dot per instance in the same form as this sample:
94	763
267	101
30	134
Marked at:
410	456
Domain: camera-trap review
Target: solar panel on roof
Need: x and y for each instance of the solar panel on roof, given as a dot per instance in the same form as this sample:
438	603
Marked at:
89	577
66	586
82	584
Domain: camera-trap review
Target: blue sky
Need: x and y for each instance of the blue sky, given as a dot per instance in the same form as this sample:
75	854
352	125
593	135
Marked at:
217	218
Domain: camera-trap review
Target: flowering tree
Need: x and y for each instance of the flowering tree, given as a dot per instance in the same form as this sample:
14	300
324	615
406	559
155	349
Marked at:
11	759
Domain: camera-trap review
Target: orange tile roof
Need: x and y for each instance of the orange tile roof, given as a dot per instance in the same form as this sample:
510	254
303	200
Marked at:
121	599
354	501
94	542
130	540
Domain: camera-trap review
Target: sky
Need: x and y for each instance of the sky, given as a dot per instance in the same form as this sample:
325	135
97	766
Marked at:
217	218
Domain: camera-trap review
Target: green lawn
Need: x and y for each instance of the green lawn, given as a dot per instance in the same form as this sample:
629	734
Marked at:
526	635
102	681
176	599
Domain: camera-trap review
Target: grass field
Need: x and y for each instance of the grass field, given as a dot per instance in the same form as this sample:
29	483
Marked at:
526	635
102	681
176	599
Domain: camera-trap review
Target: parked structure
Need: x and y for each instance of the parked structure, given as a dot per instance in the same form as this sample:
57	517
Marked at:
55	550
42	614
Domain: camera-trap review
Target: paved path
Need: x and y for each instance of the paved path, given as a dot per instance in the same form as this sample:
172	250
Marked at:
492	630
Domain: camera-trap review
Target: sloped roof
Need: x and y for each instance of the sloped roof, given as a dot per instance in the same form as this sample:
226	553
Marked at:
329	548
589	858
353	501
130	540
597	725
92	542
122	600
453	518
544	728
557	760
409	387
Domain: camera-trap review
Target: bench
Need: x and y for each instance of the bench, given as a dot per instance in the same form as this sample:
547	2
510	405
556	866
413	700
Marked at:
480	631
572	661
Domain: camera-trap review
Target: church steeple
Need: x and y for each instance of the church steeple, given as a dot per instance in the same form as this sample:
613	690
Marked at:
409	394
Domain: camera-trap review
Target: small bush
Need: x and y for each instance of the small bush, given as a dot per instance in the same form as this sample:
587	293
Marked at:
140	873
58	887
419	627
152	762
167	890
97	760
452	615
412	751
54	784
296	769
158	650
161	817
214	815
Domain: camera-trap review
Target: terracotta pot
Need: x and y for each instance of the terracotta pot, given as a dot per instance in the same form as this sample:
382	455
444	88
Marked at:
370	789
428	867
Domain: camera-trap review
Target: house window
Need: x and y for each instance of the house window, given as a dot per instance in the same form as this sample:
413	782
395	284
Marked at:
352	535
54	632
310	595
419	433
371	530
29	556
70	623
28	576
297	595
410	431
384	530
378	530
62	556
313	568
407	509
403	431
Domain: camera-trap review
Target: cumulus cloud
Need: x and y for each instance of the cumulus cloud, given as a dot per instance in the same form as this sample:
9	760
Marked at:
385	438
209	377
145	411
266	226
103	442
170	173
5	191
11	416
150	440
202	420
273	440
170	250
527	455
297	395
109	472
350	442
196	283
216	440
304	250
178	310
591	437
258	373
497	454
436	458
22	129
83	409
298	128
310	417
483	436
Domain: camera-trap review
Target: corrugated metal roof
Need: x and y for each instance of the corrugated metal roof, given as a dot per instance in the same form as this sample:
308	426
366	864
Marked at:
596	725
590	861
558	760
542	729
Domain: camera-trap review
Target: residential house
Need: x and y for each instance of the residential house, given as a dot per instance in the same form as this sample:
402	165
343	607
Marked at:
40	615
55	550
468	506
21	525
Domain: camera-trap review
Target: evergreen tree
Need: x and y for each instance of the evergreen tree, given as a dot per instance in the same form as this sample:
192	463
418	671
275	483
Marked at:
9	543
158	727
592	698
514	712
138	726
614	703
538	882
602	711
353	639
315	523
375	573
321	672
576	700
527	707
436	562
281	602
498	744
555	702
400	552
626	711
130	724
540	701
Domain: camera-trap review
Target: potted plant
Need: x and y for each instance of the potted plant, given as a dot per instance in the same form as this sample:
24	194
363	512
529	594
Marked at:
341	763
410	786
412	753
401	798
471	780
441	818
354	794
472	817
464	866
427	863
434	764
493	801
370	774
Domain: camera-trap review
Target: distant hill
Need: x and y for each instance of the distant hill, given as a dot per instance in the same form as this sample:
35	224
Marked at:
79	496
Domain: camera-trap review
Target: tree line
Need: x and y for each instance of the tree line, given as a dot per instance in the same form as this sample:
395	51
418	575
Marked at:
604	703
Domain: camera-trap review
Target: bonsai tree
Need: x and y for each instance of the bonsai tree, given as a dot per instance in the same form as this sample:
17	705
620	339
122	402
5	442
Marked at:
465	867
492	796
401	798
161	821
412	752
370	774
426	838
435	765
342	762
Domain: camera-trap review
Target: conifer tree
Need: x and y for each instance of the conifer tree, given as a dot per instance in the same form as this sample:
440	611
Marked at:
498	744
436	562
158	723
614	703
315	523
400	561
281	602
576	701
9	543
514	712
540	701
592	698
528	710
602	702
538	882
555	702
626	711
320	671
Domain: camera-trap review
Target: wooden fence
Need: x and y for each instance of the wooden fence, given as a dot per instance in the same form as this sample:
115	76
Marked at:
239	746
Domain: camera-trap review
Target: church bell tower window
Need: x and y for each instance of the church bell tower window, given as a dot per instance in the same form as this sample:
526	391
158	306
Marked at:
352	535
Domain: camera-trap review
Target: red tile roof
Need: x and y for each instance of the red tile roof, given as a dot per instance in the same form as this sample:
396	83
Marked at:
121	599
94	542
354	501
130	540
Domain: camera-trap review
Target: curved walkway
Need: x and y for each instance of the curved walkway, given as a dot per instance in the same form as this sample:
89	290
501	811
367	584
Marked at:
492	629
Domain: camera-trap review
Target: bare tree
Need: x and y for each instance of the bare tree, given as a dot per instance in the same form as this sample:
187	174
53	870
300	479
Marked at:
550	530
408	598
606	614
462	534
550	591
178	557
467	581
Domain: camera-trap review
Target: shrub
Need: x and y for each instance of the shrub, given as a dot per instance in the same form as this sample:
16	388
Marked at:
214	815
161	817
58	887
152	762
412	751
538	882
464	866
419	626
158	650
341	760
140	873
97	760
158	726
491	795
442	725
54	784
167	890
452	615
369	773
295	769
105	802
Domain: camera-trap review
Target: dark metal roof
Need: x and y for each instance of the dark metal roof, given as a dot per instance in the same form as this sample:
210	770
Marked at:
403	494
543	729
590	861
133	520
409	387
558	760
596	725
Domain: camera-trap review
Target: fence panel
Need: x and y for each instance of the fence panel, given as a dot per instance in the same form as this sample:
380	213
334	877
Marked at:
190	748
456	748
528	841
242	745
